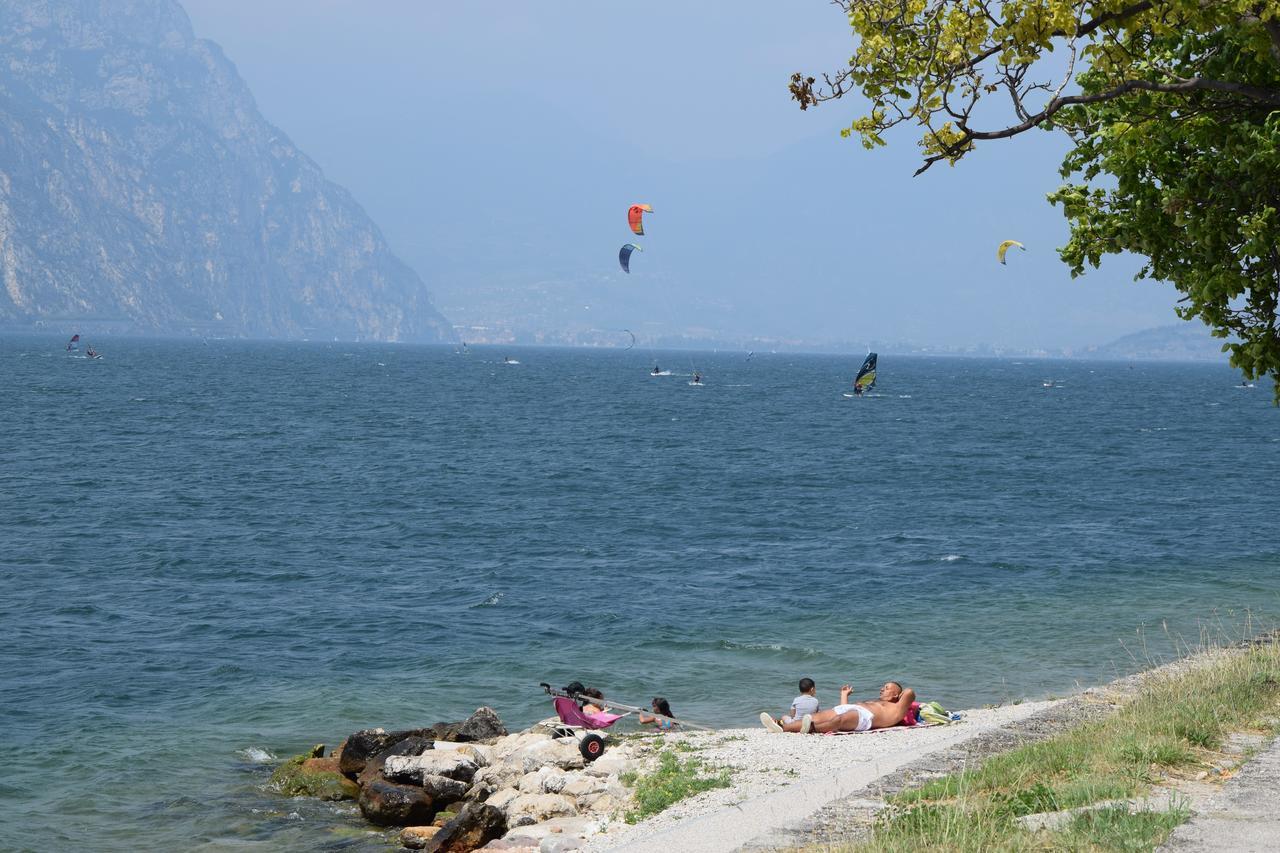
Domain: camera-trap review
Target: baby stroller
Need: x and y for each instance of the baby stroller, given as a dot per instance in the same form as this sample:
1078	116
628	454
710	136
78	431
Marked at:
575	723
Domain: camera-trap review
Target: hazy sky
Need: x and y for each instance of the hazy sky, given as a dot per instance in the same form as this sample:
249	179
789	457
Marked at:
498	146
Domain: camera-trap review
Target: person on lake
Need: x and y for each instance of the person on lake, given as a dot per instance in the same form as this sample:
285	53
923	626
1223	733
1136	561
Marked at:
661	707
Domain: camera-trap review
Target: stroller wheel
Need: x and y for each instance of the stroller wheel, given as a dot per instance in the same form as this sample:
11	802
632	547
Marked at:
591	747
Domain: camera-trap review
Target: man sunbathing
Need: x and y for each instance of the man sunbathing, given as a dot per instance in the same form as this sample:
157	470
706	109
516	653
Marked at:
889	710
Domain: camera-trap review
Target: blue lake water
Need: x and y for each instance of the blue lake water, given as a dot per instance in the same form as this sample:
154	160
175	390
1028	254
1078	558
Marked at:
211	550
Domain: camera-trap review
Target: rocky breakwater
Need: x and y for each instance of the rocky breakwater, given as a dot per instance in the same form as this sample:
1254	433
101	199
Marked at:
470	785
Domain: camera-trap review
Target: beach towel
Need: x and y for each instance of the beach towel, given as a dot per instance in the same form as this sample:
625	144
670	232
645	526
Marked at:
922	716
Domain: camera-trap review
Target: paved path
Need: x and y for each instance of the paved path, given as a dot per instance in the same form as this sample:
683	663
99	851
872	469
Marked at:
1244	816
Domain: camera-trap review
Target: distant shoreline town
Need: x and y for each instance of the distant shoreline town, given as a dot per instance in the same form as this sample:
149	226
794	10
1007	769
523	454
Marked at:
1179	342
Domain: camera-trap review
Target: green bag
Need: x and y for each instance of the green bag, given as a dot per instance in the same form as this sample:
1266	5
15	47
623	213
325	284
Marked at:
933	713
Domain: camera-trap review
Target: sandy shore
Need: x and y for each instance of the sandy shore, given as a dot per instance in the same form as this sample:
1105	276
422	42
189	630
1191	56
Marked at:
781	780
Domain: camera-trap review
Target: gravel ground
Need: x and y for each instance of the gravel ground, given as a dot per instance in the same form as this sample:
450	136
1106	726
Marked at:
779	779
793	790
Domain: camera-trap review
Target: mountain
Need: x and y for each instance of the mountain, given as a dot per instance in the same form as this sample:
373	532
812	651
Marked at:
142	191
1190	341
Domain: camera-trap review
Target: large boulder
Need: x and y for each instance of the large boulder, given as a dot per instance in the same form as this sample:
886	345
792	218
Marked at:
452	765
482	754
443	790
304	776
367	743
545	780
475	826
482	725
536	808
416	837
502	798
578	785
533	754
410	746
387	804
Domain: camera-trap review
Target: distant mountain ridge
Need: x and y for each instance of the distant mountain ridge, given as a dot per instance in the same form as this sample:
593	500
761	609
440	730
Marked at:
141	190
1187	341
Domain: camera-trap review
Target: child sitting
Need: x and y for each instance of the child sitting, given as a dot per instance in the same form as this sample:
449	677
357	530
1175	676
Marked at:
594	703
805	703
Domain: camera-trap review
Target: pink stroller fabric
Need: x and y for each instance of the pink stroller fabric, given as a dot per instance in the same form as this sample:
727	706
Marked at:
571	715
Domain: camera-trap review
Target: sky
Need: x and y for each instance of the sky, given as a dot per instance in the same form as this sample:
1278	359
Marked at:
499	146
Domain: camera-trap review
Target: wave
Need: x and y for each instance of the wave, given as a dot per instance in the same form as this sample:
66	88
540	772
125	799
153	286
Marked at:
254	755
491	601
731	646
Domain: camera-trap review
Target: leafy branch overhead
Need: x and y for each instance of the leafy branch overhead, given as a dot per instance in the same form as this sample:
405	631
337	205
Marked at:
1171	99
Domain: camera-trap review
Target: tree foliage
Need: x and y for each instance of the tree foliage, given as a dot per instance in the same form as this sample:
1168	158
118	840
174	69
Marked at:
1173	107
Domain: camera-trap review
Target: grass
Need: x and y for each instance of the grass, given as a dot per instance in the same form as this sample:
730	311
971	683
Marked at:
670	782
1171	728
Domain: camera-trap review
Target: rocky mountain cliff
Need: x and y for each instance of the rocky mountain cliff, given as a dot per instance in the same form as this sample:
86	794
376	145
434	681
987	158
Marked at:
142	191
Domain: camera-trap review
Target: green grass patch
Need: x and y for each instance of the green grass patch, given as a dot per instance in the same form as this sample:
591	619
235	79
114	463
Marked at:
1172	725
672	781
1117	829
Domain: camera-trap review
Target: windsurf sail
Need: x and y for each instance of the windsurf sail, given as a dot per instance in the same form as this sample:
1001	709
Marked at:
866	378
71	344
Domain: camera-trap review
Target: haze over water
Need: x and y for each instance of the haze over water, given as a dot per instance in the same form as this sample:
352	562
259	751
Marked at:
210	550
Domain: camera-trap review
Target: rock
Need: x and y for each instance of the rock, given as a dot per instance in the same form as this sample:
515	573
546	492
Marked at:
475	826
410	746
577	785
560	753
539	807
416	837
513	844
482	754
560	827
484	724
560	844
608	765
530	783
544	780
514	743
444	817
443	790
605	804
502	798
452	765
302	776
317	751
367	743
386	804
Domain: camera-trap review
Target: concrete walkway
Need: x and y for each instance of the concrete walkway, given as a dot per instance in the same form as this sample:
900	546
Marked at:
1244	816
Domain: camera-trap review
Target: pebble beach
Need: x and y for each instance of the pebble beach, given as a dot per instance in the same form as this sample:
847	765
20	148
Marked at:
779	780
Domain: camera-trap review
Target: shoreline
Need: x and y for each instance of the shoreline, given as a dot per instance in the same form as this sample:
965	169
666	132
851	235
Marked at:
779	779
822	808
470	785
